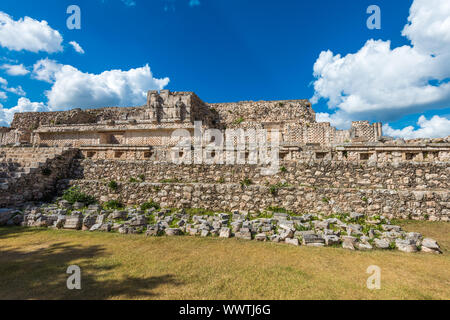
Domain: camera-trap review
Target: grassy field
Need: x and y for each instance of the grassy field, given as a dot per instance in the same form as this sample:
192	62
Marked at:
33	265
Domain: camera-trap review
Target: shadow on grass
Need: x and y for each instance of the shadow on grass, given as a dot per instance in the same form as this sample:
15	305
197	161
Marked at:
40	273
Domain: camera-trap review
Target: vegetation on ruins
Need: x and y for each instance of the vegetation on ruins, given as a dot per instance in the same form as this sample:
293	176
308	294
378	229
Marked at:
274	188
113	205
113	185
246	182
150	204
74	194
239	121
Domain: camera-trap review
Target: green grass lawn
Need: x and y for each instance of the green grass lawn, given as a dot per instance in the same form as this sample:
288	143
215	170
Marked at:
33	265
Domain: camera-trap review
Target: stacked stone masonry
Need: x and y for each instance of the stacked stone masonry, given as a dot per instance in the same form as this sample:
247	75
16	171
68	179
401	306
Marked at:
322	168
31	174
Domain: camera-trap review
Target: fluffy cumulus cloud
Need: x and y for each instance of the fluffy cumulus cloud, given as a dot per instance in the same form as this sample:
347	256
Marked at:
434	128
28	34
385	83
76	47
15	69
46	69
23	105
4	86
74	88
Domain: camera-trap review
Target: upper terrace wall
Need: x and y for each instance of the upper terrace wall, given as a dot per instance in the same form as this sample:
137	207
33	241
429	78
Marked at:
237	113
295	119
33	120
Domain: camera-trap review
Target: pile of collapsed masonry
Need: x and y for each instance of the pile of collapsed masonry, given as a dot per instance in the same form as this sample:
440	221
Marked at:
351	231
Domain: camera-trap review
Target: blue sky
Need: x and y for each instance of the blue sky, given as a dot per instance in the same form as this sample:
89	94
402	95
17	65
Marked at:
230	50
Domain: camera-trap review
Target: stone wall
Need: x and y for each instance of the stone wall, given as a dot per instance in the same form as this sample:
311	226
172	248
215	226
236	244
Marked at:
30	177
33	120
420	205
238	113
402	190
294	119
6	136
324	174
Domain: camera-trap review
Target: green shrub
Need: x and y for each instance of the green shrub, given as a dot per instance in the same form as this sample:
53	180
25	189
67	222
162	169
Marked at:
246	182
239	121
283	169
113	205
133	180
274	188
277	210
150	204
142	177
74	194
113	185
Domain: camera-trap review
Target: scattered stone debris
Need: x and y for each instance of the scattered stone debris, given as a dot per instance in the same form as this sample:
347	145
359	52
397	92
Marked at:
353	231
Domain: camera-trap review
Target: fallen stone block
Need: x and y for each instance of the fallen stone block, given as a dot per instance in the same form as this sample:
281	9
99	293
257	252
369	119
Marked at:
261	237
332	240
293	242
431	246
364	246
408	246
73	222
173	232
225	233
243	235
348	242
313	240
382	243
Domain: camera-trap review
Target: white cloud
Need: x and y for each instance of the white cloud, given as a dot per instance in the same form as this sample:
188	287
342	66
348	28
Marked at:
384	83
73	88
429	26
18	91
46	69
436	127
3	95
336	119
28	34
15	70
77	47
23	105
4	85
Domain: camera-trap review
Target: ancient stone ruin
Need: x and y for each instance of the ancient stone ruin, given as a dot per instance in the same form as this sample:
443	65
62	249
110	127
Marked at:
321	169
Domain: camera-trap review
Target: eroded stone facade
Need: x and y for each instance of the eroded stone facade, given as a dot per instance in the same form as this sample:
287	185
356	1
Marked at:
322	169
